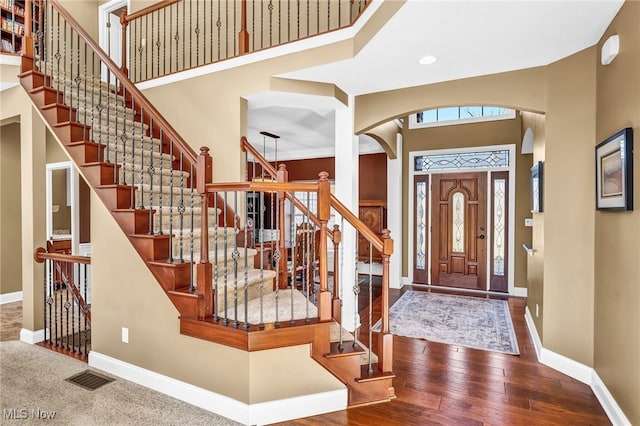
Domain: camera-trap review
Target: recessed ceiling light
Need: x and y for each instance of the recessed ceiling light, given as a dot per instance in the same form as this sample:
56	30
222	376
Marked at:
427	60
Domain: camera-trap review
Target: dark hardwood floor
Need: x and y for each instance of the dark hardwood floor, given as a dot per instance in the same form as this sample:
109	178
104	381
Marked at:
438	384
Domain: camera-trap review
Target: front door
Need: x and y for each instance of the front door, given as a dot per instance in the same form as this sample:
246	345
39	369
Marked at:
458	230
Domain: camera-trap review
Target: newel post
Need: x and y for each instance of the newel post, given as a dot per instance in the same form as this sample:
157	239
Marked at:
243	35
385	340
337	301
282	177
124	23
27	41
324	213
204	175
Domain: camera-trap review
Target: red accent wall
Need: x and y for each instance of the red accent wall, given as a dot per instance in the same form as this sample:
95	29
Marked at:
373	173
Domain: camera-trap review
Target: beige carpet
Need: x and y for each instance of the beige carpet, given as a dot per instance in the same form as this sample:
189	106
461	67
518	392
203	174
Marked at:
32	378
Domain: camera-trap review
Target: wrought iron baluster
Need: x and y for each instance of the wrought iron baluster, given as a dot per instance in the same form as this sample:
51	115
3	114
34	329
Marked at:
158	43
133	143
160	154
170	204
370	305
181	209
67	304
307	256
356	292
93	85
86	97
236	257
184	38
56	301
142	170
219	25
44	299
215	259
73	311
147	49
224	257
261	238
85	310
192	287
246	266
292	239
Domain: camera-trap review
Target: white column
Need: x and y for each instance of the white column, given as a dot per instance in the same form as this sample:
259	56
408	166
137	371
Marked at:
394	214
346	190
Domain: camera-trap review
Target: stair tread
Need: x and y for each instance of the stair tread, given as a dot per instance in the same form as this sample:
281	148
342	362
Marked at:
366	376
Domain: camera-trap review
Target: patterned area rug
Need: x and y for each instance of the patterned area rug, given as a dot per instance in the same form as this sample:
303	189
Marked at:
471	322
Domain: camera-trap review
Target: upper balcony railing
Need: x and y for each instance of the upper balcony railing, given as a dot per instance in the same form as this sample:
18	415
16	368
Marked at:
176	35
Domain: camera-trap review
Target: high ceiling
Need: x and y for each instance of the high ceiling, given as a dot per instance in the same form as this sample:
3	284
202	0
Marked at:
470	38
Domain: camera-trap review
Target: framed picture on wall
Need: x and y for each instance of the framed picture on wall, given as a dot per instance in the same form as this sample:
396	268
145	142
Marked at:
536	187
614	172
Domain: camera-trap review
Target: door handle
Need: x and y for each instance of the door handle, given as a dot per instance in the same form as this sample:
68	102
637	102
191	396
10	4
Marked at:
481	237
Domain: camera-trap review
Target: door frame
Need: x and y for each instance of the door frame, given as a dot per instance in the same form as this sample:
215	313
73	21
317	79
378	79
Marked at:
73	197
103	17
511	219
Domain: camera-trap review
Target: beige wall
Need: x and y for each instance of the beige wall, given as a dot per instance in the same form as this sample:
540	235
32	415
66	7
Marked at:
535	261
568	207
502	132
211	108
10	211
129	296
617	234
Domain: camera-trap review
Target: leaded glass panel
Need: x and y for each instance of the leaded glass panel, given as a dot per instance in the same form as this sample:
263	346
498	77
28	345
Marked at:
465	160
499	227
458	223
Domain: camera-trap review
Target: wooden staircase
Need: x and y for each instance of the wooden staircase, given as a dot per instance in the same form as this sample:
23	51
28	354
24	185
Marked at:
153	184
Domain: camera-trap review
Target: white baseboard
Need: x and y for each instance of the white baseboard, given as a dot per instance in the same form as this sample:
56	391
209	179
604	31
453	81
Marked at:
16	296
519	292
578	371
31	337
249	414
611	407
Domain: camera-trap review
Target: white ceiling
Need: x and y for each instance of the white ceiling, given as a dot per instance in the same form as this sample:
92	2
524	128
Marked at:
470	38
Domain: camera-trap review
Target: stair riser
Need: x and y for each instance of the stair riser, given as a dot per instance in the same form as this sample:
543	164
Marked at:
253	289
108	135
103	118
126	175
186	242
174	218
86	92
166	198
121	154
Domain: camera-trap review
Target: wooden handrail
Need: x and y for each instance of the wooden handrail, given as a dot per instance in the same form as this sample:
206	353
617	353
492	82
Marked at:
262	187
363	229
149	9
41	255
246	147
158	119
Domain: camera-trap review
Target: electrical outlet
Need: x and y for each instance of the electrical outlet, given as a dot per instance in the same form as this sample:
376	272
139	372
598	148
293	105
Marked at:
537	310
528	222
125	334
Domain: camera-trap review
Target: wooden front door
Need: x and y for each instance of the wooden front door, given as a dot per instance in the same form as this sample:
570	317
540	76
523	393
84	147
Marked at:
458	230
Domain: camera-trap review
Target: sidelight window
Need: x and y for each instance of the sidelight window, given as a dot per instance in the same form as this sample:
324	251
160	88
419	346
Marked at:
499	227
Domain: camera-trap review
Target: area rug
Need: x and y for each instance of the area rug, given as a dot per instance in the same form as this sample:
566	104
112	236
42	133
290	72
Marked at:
471	322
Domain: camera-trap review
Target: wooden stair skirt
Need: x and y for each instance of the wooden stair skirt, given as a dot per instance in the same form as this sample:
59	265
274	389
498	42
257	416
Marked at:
135	200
